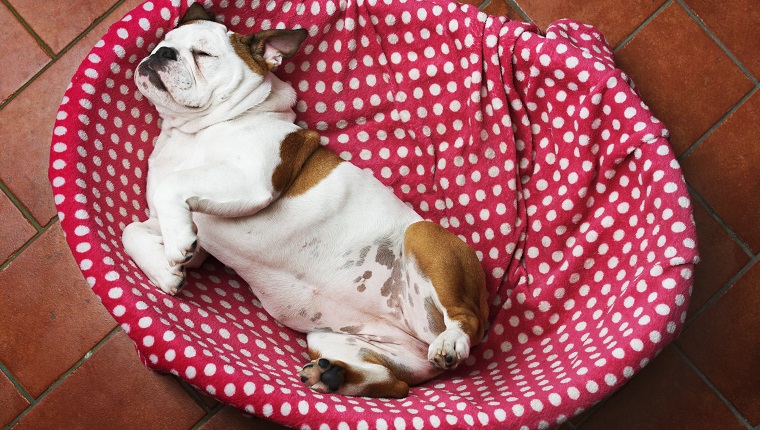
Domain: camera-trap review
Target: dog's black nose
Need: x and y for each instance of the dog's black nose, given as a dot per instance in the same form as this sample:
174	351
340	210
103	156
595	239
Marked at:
167	53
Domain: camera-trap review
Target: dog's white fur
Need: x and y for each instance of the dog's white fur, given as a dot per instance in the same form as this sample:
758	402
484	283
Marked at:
334	261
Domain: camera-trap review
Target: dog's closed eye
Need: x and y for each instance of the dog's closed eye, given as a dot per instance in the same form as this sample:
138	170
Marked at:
201	54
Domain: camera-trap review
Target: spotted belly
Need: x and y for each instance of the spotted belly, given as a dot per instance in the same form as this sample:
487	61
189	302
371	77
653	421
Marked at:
369	290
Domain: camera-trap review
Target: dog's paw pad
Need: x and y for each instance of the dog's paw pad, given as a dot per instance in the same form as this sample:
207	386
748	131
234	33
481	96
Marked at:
449	349
322	375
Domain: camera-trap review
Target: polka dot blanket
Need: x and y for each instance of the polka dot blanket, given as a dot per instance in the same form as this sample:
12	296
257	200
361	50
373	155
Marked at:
531	146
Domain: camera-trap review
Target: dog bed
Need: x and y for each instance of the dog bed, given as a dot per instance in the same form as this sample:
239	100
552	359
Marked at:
530	146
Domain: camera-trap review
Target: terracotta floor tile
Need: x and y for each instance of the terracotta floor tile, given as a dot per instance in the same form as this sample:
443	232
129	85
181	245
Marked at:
230	418
501	8
12	402
721	258
495	7
667	394
725	170
14	229
26	144
49	317
724	343
60	22
28	57
614	18
113	390
687	80
737	24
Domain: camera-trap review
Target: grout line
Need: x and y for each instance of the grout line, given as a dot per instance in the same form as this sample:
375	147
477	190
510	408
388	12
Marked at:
718	123
194	395
735	237
65	375
29	398
712	387
484	4
718	294
63	52
641	27
28	243
20	206
45	47
715	39
519	10
208	416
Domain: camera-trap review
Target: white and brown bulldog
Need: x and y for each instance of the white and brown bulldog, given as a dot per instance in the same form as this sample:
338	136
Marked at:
387	299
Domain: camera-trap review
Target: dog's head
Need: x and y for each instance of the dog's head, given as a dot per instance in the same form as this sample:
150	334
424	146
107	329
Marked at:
200	64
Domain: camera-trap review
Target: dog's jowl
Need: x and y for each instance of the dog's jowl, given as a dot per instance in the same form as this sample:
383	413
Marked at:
387	299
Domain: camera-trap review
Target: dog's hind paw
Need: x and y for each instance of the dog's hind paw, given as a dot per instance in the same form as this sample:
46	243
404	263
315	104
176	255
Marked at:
323	376
449	348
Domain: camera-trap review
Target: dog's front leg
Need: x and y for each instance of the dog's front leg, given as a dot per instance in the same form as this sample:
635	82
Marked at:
220	190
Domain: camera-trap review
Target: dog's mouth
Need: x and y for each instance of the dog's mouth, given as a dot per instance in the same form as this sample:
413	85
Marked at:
146	69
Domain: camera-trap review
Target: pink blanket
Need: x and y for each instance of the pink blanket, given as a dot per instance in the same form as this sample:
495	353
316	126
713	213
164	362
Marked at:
531	147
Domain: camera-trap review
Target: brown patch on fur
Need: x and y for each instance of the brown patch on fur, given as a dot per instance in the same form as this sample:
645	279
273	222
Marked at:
399	371
314	354
385	255
434	317
393	287
241	45
312	171
399	377
352	329
392	388
295	149
455	272
363	255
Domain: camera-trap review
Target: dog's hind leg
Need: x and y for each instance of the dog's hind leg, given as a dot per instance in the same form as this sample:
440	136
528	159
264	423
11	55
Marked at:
458	298
353	366
143	242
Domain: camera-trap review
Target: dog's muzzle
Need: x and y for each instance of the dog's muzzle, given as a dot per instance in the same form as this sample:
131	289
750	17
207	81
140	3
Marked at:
155	63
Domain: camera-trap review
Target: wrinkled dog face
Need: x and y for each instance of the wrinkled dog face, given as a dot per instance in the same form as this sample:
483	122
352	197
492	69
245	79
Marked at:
200	64
193	62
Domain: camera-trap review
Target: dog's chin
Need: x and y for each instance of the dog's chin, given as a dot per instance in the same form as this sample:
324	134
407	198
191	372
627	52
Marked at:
159	95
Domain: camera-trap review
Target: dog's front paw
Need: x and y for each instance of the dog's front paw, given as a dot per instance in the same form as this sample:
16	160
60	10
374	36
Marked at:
323	376
170	279
449	348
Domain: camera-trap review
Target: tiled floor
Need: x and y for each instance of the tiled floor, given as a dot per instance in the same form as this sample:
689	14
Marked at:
65	364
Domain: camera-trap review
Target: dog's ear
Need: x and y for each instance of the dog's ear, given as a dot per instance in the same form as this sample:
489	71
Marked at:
274	45
196	12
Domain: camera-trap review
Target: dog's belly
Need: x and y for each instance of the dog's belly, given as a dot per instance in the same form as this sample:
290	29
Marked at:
329	259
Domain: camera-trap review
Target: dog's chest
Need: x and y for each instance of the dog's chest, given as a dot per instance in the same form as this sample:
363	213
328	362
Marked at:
171	154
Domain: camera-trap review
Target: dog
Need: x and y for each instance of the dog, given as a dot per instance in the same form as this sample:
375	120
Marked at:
387	300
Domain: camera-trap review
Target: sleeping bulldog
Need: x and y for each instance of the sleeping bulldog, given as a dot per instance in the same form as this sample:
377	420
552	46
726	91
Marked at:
387	299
